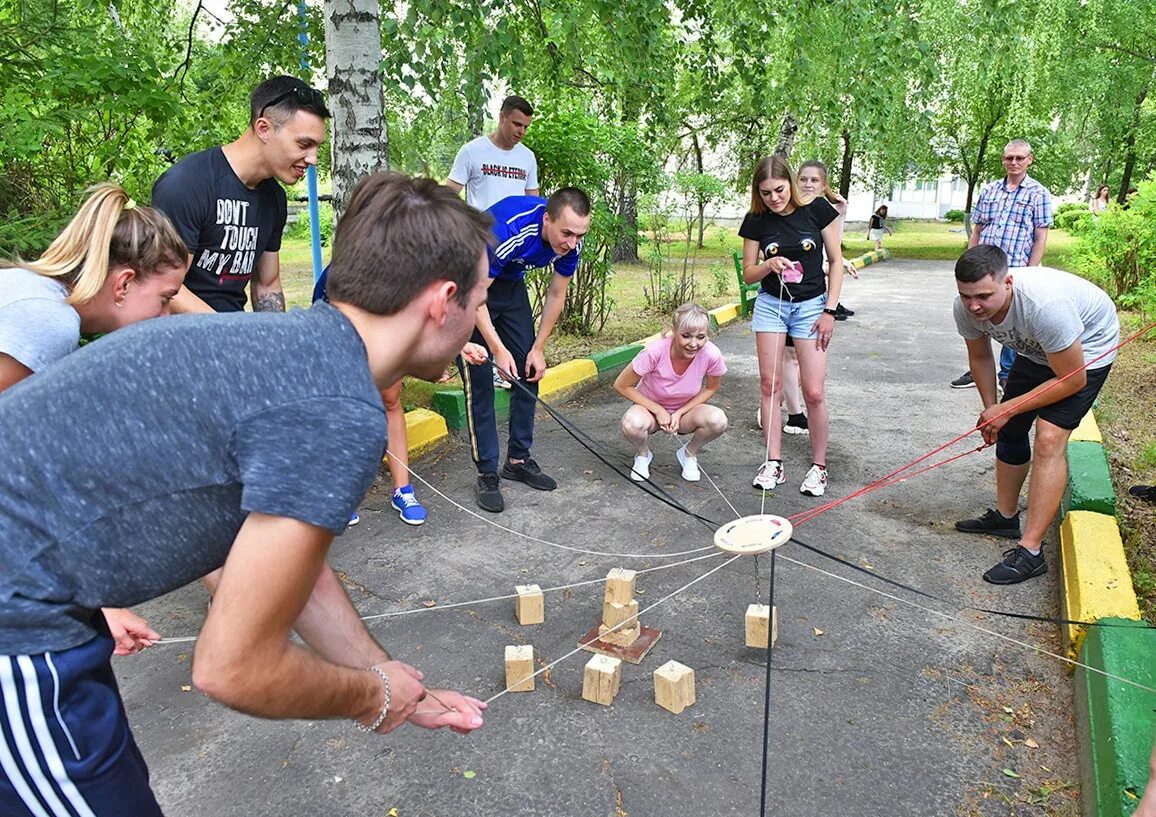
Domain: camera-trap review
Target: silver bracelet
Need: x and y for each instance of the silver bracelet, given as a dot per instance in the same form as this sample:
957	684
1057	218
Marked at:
384	707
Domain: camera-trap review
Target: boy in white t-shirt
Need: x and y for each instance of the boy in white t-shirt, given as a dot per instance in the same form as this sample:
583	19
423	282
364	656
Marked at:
497	166
665	383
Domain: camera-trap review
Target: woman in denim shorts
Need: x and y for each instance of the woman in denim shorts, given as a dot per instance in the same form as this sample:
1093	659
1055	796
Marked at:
783	243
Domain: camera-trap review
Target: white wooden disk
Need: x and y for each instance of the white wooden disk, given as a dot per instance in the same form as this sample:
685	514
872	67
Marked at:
753	534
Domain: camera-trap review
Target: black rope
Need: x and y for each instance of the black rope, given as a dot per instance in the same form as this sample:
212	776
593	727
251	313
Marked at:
659	493
767	695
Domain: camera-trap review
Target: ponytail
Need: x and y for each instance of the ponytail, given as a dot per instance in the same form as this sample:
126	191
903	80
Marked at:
107	233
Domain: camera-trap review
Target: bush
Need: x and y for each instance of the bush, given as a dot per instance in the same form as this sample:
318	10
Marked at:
1071	207
954	215
1119	252
300	228
1076	221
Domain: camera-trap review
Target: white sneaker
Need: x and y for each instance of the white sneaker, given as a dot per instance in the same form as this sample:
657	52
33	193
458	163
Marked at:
770	474
689	465
640	472
815	483
759	416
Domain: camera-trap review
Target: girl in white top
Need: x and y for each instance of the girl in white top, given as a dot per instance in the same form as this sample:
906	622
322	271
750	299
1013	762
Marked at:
665	384
114	264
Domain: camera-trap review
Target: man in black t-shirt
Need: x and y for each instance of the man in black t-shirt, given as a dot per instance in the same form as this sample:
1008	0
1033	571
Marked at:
228	207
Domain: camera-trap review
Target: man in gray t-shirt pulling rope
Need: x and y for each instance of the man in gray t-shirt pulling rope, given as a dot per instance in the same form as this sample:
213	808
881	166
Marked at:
1064	330
144	461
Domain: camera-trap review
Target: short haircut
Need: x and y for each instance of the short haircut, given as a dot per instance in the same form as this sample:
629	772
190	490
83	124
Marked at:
979	262
772	167
398	236
516	103
570	197
690	316
282	97
1021	143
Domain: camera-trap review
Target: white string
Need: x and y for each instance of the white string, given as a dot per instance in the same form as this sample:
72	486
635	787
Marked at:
571	548
557	661
970	624
397	613
702	470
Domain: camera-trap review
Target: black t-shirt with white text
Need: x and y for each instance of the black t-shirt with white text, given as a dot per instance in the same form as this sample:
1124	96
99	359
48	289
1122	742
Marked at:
226	225
796	237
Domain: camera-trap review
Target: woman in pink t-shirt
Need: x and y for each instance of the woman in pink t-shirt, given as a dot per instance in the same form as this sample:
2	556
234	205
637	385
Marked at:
665	383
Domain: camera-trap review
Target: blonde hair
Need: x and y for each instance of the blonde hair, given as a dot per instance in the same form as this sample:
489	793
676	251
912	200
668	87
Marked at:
772	167
108	232
689	315
827	192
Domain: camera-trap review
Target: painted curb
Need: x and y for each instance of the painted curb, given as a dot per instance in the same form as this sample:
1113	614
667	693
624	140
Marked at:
1115	721
1089	480
725	314
1096	581
615	358
1088	431
423	430
567	377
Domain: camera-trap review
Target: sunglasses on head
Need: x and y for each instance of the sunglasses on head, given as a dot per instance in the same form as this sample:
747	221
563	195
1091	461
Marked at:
306	96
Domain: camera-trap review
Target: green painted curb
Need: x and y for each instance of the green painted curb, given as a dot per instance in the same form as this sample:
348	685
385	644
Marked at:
451	404
1089	481
1115	720
616	357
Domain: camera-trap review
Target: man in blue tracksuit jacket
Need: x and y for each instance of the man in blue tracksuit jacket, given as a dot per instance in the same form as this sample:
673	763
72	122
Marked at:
529	232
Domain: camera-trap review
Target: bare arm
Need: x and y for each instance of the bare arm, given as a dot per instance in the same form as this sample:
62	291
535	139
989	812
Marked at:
498	351
1039	242
626	384
753	271
709	390
531	191
555	300
832	234
455	186
12	371
1068	362
266	291
973	239
981	364
185	302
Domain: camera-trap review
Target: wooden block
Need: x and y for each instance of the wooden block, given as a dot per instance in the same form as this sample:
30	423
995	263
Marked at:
761	619
620	586
601	679
622	637
674	686
520	668
531	605
614	613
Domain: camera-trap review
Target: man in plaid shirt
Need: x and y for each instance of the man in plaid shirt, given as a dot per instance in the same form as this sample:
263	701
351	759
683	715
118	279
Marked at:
1013	214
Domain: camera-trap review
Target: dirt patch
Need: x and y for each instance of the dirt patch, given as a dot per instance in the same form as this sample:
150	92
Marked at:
1128	424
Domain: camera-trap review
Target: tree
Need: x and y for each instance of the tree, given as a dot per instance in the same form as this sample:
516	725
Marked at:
352	59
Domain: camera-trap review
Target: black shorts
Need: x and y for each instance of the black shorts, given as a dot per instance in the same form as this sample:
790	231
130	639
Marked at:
1025	375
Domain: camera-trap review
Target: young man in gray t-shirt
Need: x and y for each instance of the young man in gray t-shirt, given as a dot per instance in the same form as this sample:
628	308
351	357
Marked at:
1065	331
142	462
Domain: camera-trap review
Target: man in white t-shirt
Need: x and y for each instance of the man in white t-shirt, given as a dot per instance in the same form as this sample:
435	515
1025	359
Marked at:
498	166
1065	332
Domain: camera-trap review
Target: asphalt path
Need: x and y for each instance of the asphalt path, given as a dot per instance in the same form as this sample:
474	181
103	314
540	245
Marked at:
878	706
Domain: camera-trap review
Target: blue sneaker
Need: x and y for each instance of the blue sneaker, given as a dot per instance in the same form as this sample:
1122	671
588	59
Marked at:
408	508
353	520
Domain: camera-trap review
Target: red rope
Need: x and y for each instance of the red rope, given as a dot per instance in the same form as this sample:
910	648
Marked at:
893	478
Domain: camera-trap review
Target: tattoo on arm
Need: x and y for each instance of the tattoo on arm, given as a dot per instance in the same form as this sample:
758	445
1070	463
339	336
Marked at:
270	302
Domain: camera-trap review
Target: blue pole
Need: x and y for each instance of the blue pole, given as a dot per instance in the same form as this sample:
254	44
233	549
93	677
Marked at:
311	174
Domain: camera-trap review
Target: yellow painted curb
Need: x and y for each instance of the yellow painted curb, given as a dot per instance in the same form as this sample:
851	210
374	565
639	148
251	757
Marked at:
650	339
1097	583
726	314
423	430
1087	431
567	376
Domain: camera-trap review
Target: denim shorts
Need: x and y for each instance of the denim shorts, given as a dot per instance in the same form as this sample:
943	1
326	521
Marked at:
787	317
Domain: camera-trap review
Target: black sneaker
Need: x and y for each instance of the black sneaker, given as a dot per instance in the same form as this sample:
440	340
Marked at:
842	310
1019	564
1145	492
489	494
992	523
964	381
528	472
796	424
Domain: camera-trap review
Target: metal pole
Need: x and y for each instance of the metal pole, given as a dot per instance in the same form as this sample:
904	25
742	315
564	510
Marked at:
767	695
311	173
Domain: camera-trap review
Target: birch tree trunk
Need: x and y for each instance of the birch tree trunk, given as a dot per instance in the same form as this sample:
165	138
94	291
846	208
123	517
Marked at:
352	68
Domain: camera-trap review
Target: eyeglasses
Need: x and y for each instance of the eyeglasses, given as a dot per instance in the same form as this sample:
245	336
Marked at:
307	97
1016	158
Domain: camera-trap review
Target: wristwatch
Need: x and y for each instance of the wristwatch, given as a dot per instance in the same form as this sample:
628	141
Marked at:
831	312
